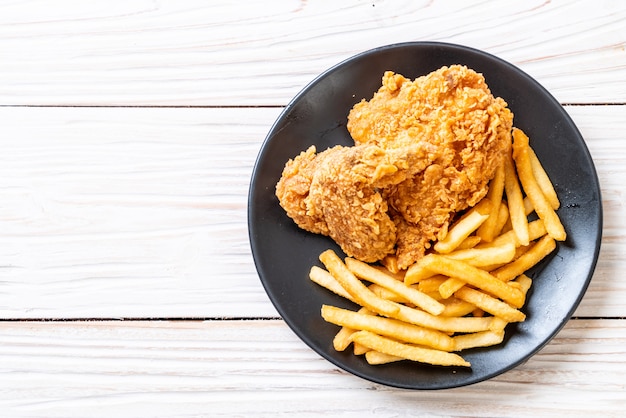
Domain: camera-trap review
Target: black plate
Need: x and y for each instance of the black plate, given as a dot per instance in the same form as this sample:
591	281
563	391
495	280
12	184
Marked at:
283	253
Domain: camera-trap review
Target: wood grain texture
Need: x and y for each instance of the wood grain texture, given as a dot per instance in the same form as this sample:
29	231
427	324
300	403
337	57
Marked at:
259	368
141	212
218	53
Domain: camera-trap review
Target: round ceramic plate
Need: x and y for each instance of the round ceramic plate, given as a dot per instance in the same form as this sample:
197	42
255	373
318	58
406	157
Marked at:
283	253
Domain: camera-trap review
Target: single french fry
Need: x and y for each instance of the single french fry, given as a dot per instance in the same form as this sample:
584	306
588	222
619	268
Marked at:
443	323
375	358
419	354
525	282
487	230
360	349
515	200
325	279
543	180
457	307
361	294
490	304
480	257
343	338
542	207
386	326
478	339
387	294
474	276
498	324
431	284
519	251
390	262
367	272
464	227
447	288
536	229
399	276
503	219
478	312
535	254
469	242
528	206
417	272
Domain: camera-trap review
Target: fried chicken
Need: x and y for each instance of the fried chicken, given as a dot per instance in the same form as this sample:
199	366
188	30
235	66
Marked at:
293	188
338	193
424	151
454	110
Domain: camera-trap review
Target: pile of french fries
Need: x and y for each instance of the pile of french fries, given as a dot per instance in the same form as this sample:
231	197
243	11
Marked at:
464	292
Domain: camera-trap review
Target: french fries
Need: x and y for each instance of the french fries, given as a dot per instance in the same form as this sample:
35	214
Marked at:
465	290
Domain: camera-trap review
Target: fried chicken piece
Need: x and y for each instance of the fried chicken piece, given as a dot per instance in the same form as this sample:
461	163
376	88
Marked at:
453	110
344	198
293	188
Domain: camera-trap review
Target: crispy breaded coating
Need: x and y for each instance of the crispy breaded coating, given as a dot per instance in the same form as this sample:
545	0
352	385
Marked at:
424	150
454	110
338	193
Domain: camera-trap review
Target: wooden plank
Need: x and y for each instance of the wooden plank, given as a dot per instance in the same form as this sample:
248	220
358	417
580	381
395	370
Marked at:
141	212
219	53
259	368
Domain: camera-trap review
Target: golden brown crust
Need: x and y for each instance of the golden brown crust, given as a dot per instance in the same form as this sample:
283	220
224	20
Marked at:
425	150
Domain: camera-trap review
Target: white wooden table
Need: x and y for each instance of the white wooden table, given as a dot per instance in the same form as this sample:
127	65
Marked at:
128	132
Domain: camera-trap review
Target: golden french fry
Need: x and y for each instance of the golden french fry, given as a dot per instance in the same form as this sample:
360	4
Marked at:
419	354
536	229
490	304
487	230
360	349
542	207
387	294
388	327
478	339
367	272
417	272
361	294
543	180
480	257
525	282
447	288
474	276
327	280
390	262
457	307
375	358
528	206
343	338
399	275
535	254
443	323
515	200
519	251
431	284
503	219
469	242
462	228
498	324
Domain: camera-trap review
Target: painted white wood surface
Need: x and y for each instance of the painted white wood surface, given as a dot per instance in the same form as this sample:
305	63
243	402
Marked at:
108	211
259	368
141	212
220	52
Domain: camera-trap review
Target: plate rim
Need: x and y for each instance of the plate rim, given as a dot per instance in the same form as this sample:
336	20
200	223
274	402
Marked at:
450	46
